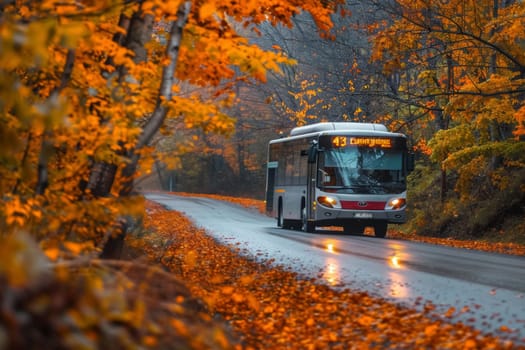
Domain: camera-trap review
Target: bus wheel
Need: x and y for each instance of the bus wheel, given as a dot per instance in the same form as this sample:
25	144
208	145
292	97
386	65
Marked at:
288	224
380	229
308	226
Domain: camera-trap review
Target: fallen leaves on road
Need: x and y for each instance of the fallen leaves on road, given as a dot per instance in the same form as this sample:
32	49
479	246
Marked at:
269	307
495	247
245	202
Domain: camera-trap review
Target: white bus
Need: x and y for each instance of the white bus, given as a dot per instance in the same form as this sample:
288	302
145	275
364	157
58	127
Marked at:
351	175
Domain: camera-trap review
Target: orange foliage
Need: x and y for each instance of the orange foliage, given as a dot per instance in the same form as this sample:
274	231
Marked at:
520	118
422	147
459	65
77	101
97	304
465	55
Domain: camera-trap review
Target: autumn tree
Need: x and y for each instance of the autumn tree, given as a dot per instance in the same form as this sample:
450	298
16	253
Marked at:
460	66
257	119
332	75
330	81
86	86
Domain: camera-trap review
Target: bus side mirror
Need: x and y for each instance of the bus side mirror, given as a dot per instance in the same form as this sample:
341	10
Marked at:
411	161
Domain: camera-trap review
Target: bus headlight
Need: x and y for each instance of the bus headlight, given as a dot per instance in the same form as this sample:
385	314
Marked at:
396	203
329	202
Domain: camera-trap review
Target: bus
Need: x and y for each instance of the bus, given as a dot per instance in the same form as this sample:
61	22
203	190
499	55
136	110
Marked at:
343	174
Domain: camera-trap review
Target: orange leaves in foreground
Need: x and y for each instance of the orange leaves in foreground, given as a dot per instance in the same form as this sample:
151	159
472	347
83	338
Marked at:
269	307
96	304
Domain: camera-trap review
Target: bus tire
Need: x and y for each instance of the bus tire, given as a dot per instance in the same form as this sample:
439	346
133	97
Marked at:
287	224
308	226
380	228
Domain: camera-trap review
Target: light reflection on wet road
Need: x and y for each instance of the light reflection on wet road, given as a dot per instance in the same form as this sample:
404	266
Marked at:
489	289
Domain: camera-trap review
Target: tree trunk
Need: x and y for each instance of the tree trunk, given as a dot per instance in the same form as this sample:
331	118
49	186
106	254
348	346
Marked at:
443	187
102	174
113	247
46	147
159	170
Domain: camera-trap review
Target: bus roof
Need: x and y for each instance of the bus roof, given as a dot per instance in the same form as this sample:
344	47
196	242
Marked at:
333	126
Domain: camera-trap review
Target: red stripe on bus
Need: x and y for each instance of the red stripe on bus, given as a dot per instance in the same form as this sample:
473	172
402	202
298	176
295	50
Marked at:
359	205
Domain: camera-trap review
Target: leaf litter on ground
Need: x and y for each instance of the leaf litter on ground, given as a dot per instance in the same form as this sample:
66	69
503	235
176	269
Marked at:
268	307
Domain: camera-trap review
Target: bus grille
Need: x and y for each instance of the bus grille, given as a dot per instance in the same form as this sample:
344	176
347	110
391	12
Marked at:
363	205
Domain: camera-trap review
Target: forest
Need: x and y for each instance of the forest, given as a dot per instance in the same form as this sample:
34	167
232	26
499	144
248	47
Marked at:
100	100
449	76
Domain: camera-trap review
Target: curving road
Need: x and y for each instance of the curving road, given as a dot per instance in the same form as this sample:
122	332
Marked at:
489	288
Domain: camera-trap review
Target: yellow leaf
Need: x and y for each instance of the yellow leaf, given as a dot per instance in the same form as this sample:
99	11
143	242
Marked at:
52	253
470	344
237	297
253	302
190	258
25	11
227	290
76	248
221	338
150	341
431	330
365	320
207	10
180	327
246	280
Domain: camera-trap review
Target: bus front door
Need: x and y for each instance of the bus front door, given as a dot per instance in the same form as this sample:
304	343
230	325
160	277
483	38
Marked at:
308	214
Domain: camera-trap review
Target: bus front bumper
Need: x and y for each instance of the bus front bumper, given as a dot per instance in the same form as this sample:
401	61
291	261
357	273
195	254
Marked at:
333	216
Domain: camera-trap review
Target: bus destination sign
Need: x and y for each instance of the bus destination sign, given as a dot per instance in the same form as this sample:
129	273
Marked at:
348	141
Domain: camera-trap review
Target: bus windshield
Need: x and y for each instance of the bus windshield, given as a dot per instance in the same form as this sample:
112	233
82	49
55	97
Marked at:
358	168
